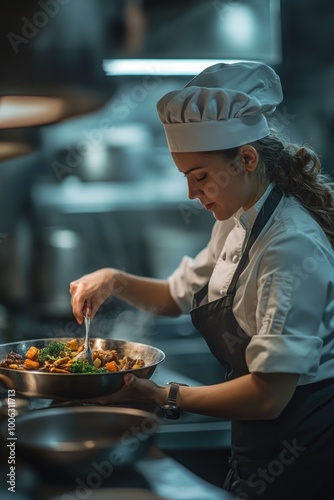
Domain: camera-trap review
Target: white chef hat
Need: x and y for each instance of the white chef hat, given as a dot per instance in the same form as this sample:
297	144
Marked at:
223	107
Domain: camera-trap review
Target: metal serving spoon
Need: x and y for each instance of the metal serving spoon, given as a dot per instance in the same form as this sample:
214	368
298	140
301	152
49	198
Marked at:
86	354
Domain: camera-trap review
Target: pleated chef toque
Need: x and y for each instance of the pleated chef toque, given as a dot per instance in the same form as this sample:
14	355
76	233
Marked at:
223	107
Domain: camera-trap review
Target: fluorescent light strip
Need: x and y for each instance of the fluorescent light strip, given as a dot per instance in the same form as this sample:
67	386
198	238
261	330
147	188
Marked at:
122	67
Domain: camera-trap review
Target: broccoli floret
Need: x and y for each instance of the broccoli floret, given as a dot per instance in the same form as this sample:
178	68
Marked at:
52	351
80	366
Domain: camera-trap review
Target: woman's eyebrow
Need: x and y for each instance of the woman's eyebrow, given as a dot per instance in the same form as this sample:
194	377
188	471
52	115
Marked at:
190	170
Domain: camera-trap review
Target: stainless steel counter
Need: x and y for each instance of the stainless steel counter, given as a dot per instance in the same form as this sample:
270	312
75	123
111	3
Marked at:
74	196
157	472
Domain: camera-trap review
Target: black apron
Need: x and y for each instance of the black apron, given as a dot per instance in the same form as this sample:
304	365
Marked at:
292	456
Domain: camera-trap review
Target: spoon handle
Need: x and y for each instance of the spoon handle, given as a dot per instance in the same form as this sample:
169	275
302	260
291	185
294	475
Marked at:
87	308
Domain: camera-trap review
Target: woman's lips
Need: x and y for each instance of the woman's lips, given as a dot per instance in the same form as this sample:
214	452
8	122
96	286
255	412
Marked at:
208	206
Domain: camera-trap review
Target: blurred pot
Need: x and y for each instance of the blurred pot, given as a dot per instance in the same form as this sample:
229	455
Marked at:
62	254
80	440
117	154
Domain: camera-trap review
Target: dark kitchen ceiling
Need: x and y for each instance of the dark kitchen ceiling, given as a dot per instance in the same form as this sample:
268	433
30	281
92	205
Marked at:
54	49
197	30
54	52
230	29
48	45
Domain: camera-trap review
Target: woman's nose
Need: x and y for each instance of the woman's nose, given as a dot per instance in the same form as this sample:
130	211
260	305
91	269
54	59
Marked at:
193	190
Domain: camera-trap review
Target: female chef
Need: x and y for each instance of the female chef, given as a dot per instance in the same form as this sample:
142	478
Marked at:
261	293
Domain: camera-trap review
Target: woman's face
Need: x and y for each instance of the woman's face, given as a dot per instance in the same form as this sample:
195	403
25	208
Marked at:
222	186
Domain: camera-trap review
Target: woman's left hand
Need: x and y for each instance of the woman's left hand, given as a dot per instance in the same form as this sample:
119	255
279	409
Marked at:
134	389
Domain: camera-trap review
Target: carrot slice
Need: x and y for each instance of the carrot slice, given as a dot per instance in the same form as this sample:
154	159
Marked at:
30	364
32	353
112	366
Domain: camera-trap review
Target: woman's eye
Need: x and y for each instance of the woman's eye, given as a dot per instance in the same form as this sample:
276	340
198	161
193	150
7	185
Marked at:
199	179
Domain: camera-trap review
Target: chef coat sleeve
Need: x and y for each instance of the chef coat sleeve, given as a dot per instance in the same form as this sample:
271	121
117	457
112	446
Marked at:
295	304
193	273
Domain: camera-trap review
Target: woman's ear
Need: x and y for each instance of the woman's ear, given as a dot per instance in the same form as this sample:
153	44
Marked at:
249	157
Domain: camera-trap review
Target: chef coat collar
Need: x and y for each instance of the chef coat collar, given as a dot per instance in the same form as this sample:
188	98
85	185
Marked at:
247	219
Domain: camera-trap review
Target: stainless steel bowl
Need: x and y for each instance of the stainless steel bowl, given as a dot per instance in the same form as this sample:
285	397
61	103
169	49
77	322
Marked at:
82	440
60	386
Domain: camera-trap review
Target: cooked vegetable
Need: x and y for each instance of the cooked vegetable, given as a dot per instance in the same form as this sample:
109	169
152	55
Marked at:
53	351
30	364
80	366
112	366
32	353
97	362
73	345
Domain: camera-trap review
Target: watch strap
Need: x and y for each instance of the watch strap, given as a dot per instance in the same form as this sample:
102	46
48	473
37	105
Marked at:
172	395
174	389
170	409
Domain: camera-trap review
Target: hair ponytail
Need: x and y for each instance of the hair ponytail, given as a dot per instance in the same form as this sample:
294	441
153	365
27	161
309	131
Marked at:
297	170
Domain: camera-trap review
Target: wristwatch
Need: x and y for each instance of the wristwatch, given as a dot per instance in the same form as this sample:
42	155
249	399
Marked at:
170	410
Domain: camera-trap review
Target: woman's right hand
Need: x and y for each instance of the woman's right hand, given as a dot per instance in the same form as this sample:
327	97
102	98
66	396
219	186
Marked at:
95	287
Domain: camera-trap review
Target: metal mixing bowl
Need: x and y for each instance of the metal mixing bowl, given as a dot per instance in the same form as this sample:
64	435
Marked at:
76	385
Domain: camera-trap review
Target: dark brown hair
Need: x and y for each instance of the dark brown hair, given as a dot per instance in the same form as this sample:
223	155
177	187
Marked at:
297	170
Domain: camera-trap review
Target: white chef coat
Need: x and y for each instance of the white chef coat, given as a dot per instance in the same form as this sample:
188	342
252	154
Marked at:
285	296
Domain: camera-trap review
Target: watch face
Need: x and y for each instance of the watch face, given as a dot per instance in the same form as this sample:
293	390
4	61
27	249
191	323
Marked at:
170	411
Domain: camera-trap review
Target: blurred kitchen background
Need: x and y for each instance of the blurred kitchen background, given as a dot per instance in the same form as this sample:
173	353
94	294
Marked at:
86	179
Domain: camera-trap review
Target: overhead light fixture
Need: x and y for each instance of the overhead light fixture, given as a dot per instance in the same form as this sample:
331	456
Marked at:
25	111
51	61
169	67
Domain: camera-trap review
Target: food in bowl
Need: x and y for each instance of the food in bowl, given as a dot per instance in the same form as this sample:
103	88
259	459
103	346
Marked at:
59	386
60	357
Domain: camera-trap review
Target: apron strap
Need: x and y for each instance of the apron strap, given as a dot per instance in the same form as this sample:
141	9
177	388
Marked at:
201	294
263	216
